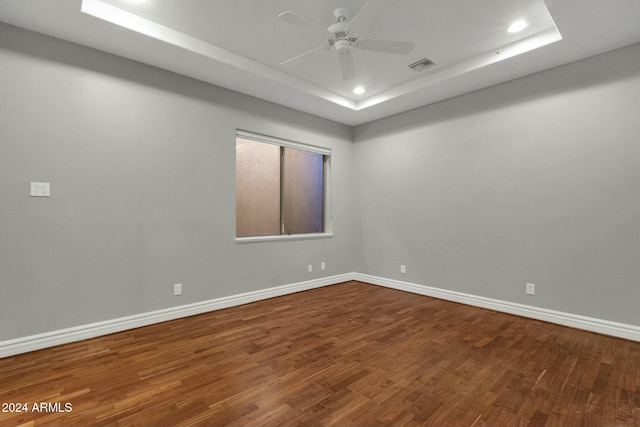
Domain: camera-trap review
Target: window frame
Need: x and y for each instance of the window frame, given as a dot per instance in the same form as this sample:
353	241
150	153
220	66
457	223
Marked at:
327	211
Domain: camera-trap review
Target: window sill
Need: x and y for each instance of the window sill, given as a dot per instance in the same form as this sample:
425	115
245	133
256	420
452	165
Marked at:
254	239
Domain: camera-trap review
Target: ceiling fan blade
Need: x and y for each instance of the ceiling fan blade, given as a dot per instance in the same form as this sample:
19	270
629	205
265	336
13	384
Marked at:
301	22
306	55
386	46
363	19
346	65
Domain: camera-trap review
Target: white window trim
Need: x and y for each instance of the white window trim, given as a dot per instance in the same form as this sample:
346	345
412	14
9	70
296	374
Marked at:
283	142
328	212
276	237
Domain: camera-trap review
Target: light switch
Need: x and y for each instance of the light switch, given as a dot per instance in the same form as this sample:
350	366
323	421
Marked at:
40	189
530	289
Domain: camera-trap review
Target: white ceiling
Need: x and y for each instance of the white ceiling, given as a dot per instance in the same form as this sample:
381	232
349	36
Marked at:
239	44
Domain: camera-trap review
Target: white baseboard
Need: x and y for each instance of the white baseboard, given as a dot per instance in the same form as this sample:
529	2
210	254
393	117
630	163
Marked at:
82	332
622	330
78	333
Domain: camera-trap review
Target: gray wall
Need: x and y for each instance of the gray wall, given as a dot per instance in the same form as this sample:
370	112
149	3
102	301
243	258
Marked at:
536	180
142	169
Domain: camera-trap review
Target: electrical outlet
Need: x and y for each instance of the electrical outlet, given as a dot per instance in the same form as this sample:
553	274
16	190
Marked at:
310	268
403	268
323	266
177	289
531	289
40	189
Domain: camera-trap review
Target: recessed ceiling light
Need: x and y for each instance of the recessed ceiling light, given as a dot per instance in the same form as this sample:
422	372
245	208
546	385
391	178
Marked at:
358	90
517	26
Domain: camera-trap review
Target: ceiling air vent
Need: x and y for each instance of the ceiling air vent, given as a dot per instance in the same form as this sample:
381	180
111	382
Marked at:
422	64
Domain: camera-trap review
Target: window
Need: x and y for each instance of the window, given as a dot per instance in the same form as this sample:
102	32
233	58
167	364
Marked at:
281	189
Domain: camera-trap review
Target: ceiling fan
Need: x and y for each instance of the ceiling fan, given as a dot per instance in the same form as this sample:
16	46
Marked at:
342	36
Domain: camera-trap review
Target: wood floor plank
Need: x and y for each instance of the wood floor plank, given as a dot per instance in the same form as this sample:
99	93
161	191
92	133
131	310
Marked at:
351	354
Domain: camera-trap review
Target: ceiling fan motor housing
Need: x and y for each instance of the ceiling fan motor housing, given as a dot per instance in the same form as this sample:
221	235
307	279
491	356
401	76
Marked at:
341	40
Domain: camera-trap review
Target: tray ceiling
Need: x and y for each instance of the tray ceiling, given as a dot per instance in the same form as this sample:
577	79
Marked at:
240	44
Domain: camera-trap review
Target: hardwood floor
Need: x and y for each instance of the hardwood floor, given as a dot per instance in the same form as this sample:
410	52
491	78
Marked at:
348	354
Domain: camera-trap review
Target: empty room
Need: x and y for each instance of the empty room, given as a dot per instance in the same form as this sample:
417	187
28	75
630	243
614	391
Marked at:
319	213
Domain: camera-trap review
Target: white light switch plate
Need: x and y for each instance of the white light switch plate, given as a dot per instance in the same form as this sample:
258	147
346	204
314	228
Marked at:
40	189
531	289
